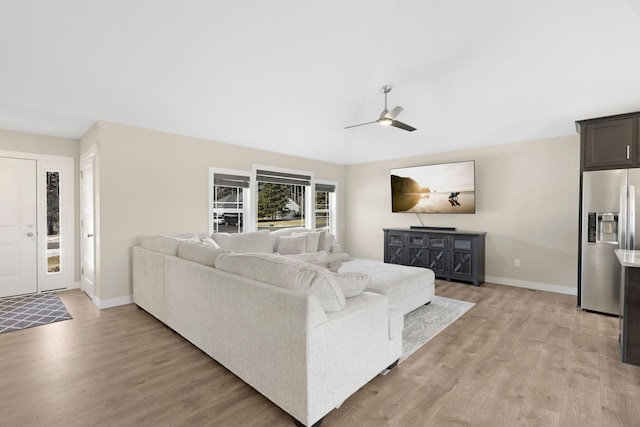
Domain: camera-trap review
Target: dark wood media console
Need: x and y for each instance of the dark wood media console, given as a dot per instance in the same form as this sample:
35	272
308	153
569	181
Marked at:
452	255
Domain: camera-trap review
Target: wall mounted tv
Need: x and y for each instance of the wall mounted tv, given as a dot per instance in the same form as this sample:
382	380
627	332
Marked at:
440	188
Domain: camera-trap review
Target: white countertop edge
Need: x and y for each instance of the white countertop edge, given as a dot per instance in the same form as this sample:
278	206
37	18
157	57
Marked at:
628	258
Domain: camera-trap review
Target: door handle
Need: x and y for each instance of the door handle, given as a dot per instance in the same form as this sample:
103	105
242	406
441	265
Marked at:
30	234
89	235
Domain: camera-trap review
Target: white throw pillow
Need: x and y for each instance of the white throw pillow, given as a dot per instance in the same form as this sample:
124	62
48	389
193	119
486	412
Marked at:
287	273
313	238
209	241
338	256
352	284
284	232
326	241
291	245
200	252
310	257
256	242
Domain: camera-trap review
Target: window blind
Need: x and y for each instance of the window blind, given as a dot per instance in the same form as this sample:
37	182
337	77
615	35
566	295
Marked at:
227	180
282	178
329	188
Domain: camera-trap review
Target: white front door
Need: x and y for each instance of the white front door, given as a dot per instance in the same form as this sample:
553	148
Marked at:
88	248
18	234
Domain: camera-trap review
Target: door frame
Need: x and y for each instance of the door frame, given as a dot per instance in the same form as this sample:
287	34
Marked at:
66	278
89	158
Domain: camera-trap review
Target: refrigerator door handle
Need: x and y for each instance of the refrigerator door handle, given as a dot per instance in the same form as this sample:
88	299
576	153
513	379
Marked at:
632	217
622	218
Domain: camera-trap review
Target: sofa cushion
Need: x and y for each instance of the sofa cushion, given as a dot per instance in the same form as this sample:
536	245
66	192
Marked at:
352	284
167	244
199	252
288	245
287	273
255	242
313	238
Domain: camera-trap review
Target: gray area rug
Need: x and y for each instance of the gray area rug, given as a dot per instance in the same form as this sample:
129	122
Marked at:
26	311
424	323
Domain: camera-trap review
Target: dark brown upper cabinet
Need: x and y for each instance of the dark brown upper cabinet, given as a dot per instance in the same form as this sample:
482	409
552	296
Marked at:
609	142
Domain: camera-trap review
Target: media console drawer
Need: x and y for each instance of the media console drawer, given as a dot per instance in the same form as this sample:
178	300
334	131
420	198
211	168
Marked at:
452	255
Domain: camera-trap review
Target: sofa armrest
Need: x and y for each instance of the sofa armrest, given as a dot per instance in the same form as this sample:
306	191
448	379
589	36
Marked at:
348	350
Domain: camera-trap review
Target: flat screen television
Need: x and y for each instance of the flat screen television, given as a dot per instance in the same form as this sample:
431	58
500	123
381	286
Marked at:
439	188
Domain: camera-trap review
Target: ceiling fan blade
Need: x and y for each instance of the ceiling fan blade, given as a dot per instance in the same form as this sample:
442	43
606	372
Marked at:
361	124
401	125
393	113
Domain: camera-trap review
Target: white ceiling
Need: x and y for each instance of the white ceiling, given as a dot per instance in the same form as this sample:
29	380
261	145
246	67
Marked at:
289	75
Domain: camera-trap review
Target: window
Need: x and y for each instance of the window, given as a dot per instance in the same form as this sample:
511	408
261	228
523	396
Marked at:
270	199
282	199
325	203
228	196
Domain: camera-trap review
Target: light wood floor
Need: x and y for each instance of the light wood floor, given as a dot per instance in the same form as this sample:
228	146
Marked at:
518	358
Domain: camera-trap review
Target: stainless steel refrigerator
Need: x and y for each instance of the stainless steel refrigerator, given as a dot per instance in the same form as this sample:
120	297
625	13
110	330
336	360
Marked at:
608	222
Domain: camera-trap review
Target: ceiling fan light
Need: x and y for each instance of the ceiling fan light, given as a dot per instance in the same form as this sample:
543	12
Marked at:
385	122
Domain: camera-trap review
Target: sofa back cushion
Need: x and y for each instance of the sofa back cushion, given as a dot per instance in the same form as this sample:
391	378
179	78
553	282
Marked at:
256	242
167	245
199	252
287	273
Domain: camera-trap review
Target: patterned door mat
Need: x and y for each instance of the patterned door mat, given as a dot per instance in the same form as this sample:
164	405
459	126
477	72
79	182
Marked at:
26	311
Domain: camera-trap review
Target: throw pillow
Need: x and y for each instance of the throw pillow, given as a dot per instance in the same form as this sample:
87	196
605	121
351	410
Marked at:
256	242
284	232
316	257
210	242
291	245
199	252
325	242
338	256
287	273
352	284
334	265
313	238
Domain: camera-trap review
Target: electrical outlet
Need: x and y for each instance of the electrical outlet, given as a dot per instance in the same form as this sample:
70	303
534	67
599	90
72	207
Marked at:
516	262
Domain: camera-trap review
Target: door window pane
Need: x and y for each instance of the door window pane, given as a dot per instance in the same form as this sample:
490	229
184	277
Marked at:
53	222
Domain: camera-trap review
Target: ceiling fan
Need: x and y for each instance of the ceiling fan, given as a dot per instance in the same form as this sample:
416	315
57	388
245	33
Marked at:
387	118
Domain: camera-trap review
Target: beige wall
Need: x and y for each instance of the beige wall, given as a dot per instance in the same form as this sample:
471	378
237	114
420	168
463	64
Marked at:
527	201
38	144
156	183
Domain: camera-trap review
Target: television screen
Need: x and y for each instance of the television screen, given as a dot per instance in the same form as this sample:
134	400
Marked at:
441	188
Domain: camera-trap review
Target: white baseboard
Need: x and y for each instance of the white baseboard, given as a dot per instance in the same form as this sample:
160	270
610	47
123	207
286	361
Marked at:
532	285
112	302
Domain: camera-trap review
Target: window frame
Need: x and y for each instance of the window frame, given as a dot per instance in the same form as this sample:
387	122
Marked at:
333	205
250	197
246	197
309	197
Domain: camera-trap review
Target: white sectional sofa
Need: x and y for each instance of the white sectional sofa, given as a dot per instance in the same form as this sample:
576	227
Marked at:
301	335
